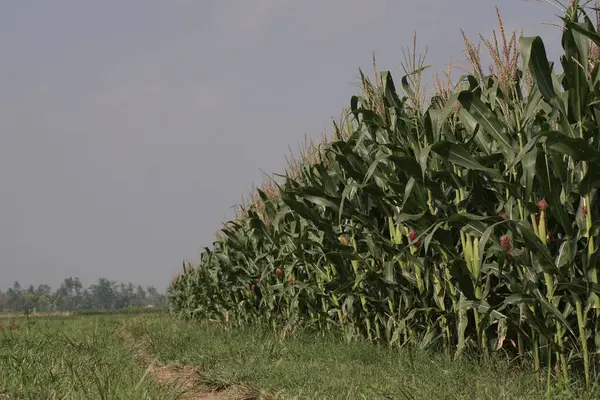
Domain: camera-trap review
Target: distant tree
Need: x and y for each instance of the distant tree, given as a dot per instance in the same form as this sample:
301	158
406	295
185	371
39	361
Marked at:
15	298
71	295
44	289
103	293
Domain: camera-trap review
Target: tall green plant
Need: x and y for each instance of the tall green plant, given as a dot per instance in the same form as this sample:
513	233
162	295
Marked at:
470	223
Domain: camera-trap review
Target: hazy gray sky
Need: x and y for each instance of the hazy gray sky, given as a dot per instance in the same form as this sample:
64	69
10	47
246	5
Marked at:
128	128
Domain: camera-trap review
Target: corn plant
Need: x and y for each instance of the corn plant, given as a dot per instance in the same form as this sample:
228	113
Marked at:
470	222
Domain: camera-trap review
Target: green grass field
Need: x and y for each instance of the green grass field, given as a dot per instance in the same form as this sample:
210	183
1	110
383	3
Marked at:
139	357
71	358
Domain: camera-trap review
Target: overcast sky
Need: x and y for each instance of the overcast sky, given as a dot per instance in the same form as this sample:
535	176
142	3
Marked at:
129	128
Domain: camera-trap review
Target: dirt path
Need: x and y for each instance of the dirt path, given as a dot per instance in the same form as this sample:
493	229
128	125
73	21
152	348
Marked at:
185	379
36	315
182	380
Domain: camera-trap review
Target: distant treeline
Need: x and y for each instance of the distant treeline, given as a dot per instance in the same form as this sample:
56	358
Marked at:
103	296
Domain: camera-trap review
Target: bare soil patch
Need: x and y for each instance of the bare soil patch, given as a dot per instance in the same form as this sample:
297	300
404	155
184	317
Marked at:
12	326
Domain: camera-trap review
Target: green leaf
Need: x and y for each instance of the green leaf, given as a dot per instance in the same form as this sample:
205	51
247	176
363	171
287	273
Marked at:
575	66
462	323
535	245
378	159
389	90
591	180
577	148
593	36
485	237
534	57
423	156
348	193
528	163
486	119
551	189
409	165
553	310
321	201
518	298
458	155
532	106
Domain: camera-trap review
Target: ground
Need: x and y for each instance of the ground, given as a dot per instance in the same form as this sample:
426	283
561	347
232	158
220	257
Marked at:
157	357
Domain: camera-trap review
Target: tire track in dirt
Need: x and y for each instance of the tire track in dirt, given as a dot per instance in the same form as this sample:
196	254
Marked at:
185	379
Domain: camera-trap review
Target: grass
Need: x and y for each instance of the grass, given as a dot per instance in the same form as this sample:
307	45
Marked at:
307	366
121	311
90	357
71	358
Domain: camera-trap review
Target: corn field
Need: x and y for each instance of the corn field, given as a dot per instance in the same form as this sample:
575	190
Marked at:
468	221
